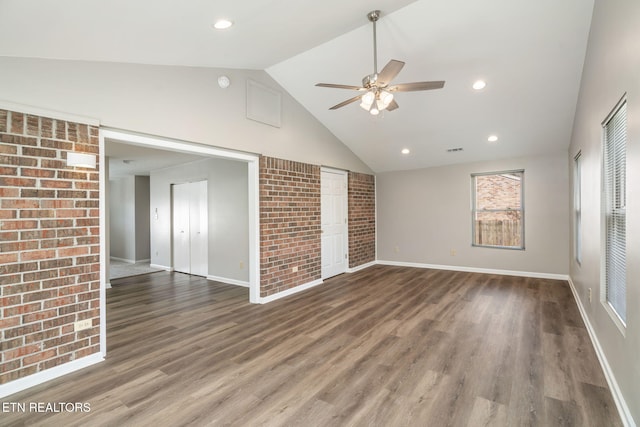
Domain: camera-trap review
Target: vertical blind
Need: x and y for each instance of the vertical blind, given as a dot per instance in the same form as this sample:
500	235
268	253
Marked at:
615	140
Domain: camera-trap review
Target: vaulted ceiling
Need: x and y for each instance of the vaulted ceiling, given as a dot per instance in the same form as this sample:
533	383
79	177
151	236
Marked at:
530	53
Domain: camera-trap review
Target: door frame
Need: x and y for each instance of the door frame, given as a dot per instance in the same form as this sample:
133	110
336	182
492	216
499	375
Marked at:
345	240
150	141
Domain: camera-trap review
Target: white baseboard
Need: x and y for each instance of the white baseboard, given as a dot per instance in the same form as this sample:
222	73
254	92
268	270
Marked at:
229	281
161	267
478	270
48	375
270	298
361	267
618	398
130	261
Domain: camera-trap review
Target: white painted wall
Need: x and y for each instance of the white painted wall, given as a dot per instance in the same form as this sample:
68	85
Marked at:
426	213
612	67
184	103
227	183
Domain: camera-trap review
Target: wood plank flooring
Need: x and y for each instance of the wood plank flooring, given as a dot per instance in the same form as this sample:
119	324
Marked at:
387	346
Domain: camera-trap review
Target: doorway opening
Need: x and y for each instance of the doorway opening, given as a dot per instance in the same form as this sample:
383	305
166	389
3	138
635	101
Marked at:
211	160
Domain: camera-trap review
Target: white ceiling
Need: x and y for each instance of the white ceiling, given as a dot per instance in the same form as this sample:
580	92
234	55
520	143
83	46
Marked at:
529	52
128	160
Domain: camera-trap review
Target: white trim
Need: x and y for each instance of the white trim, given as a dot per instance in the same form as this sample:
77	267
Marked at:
50	114
361	267
228	281
102	222
477	270
618	397
128	261
161	267
174	144
48	375
253	172
286	293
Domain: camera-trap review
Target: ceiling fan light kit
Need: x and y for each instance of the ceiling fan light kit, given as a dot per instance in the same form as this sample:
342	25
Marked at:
378	94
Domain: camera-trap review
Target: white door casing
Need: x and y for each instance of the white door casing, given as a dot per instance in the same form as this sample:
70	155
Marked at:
334	240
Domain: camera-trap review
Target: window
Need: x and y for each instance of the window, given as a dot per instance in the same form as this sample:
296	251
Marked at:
498	209
615	203
577	208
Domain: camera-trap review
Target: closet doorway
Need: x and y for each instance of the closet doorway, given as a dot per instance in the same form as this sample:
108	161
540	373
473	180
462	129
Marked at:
190	228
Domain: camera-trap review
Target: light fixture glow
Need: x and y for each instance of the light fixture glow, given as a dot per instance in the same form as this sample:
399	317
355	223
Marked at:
405	151
386	97
374	111
81	160
222	24
492	138
479	85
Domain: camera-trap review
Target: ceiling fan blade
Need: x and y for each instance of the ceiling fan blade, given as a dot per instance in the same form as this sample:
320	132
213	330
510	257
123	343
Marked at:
410	87
392	106
347	102
389	72
340	86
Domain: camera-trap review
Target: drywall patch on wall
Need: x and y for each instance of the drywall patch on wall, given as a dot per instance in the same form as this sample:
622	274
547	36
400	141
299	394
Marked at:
49	244
289	224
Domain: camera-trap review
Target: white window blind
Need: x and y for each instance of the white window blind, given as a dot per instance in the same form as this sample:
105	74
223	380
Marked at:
615	141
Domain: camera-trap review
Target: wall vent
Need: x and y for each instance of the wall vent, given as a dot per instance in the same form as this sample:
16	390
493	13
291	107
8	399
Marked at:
453	150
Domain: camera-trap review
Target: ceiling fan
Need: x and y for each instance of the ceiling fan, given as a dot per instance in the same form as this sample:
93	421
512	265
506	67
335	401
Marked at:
378	94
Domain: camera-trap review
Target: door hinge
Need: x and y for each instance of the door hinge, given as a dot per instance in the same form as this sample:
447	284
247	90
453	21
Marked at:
345	256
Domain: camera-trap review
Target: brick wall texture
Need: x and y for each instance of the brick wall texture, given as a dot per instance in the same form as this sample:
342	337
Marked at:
362	219
289	224
49	244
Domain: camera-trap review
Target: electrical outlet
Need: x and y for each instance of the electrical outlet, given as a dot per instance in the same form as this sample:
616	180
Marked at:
589	294
396	249
295	269
241	265
453	252
82	325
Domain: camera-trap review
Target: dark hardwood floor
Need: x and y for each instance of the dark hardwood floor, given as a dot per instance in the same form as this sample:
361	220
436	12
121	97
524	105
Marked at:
387	346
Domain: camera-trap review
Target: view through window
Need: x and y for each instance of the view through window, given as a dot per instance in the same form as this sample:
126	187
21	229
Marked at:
498	209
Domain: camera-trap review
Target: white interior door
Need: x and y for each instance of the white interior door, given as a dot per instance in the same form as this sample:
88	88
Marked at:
334	241
199	224
190	228
181	229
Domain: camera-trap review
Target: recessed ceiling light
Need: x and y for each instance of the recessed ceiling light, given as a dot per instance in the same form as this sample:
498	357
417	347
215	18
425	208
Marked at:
479	85
222	24
492	138
405	151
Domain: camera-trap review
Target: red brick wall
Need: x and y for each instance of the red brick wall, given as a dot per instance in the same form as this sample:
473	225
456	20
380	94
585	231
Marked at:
289	224
49	244
362	219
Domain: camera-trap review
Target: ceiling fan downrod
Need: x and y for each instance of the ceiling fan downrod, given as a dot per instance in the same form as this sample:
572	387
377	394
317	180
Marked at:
373	17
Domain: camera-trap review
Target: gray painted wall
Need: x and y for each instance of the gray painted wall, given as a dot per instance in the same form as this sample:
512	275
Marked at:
129	218
227	185
176	102
424	214
122	218
141	185
612	67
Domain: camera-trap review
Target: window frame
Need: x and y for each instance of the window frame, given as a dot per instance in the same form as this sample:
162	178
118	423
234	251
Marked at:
606	211
474	209
577	208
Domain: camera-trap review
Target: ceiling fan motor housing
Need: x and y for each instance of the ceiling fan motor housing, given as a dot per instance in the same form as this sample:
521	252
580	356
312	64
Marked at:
370	81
